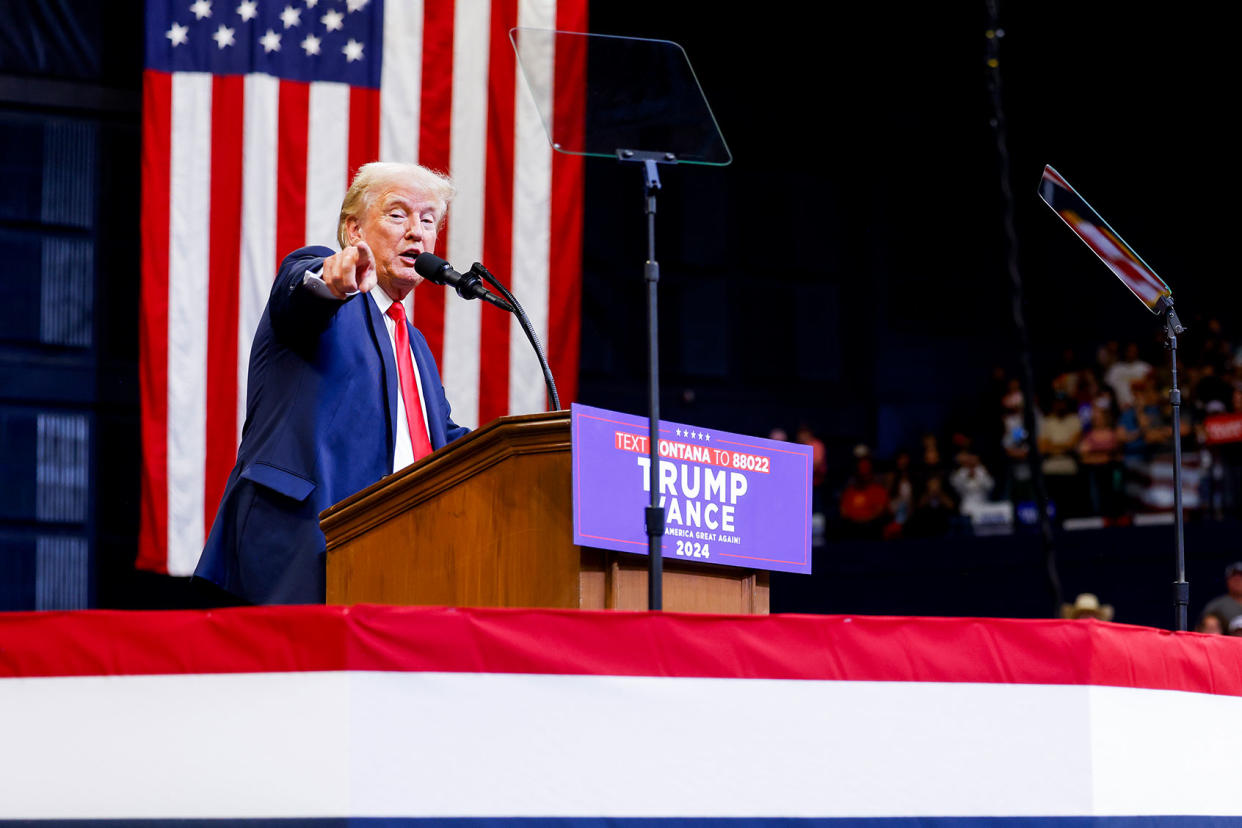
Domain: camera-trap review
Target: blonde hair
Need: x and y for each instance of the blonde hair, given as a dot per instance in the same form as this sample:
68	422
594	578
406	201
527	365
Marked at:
373	177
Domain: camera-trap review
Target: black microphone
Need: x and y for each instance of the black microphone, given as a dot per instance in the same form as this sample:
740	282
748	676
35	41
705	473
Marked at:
468	285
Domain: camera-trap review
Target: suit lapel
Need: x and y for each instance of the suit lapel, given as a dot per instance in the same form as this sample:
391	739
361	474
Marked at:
379	336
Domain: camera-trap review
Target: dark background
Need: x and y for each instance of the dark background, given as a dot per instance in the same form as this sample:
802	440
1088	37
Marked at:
846	272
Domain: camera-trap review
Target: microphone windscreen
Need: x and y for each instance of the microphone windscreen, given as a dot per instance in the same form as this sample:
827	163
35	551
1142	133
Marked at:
430	266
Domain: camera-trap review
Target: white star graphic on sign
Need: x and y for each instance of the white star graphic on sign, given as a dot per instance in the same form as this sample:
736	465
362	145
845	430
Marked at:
352	50
248	10
223	36
310	4
270	41
707	437
679	432
201	9
355	5
311	45
178	34
291	17
332	21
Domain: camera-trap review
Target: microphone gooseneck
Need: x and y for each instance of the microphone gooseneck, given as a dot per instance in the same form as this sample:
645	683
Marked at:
470	286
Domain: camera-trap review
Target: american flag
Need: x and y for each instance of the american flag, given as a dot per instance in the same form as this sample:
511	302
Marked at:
255	117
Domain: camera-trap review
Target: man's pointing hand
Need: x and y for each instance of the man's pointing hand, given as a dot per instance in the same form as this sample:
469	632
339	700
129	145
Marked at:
350	271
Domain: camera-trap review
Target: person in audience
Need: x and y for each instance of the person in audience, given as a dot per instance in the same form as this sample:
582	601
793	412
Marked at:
864	502
1087	605
1142	422
1229	605
1210	623
1106	356
1099	452
933	513
1235	626
931	461
1085	399
900	493
1059	433
819	456
1017	445
1069	375
972	483
1122	375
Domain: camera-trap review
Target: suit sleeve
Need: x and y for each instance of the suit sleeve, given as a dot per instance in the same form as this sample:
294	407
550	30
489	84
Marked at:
297	312
452	430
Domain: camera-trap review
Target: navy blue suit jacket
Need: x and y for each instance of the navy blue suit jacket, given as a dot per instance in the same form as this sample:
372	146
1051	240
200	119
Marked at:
321	414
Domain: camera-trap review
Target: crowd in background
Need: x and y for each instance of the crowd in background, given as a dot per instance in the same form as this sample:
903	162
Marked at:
1104	433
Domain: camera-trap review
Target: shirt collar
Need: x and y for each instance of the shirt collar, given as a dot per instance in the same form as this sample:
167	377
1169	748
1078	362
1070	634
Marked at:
382	300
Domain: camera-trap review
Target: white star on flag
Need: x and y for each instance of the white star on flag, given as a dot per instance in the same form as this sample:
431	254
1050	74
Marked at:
178	34
355	5
223	36
291	17
248	10
310	4
332	21
352	50
270	41
311	45
201	9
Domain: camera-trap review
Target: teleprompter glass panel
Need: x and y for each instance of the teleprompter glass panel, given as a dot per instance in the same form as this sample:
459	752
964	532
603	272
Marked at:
599	94
1096	233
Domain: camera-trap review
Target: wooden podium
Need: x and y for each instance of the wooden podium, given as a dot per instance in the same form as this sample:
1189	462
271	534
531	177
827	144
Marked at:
488	522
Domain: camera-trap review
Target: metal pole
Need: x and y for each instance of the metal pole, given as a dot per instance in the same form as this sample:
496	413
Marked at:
654	511
1181	588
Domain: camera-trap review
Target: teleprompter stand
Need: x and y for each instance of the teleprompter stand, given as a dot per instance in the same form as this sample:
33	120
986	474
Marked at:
643	105
654	513
1152	291
1181	588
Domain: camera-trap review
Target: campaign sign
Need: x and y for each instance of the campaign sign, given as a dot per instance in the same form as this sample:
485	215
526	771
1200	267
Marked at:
728	498
1223	428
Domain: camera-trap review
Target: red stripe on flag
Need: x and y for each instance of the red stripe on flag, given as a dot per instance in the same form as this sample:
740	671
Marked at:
294	109
498	211
435	118
565	265
364	127
228	98
153	321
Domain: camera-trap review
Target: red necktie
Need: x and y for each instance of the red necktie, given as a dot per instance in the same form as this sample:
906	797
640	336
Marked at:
409	386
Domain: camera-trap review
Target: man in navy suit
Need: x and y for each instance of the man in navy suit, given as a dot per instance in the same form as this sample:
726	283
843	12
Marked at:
341	389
